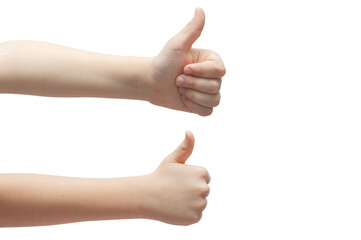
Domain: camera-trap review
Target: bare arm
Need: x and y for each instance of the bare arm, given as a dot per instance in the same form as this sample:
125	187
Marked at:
179	77
175	193
32	200
39	68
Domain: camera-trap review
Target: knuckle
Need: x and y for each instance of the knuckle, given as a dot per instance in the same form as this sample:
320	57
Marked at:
201	188
181	149
206	112
215	55
202	172
193	217
221	71
215	86
203	204
218	85
217	100
196	218
205	191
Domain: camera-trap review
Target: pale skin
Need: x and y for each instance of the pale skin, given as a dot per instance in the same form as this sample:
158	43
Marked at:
179	77
174	193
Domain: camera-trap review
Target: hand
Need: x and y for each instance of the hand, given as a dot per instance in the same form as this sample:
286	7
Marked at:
177	191
174	193
184	78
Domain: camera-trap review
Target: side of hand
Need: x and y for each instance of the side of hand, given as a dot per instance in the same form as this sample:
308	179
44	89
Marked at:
184	78
177	192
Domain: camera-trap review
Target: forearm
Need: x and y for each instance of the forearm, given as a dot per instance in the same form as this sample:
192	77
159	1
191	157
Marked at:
38	68
32	200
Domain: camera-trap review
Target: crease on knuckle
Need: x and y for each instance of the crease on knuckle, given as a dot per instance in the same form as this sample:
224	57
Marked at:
181	149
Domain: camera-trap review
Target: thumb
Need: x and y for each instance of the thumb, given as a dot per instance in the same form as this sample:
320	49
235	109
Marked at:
190	33
183	151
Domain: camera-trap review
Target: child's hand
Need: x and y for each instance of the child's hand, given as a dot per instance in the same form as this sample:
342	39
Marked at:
186	79
177	192
179	77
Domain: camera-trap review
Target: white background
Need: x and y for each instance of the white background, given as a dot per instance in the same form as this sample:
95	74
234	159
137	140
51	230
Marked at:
283	148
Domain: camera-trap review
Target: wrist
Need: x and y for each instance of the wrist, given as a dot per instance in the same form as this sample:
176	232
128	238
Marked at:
135	200
146	77
142	76
128	77
144	197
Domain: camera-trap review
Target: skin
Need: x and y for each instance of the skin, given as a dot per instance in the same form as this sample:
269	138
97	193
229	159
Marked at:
174	193
44	69
179	77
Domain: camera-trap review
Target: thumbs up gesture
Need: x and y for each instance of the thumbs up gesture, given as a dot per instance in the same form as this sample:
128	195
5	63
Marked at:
178	191
184	78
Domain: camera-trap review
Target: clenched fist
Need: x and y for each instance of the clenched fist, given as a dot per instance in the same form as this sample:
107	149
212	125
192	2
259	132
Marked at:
177	192
179	77
184	78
